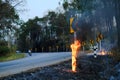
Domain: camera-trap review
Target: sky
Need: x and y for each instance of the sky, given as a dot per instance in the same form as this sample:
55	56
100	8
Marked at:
38	8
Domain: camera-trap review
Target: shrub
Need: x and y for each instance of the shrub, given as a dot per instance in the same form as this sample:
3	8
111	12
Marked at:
4	50
3	43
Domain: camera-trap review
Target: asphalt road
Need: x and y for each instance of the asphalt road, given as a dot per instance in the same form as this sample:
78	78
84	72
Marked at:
34	61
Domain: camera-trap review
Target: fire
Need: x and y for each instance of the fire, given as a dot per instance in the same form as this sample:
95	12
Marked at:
75	50
103	52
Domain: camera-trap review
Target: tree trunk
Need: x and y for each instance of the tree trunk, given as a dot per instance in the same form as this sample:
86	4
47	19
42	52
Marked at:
117	6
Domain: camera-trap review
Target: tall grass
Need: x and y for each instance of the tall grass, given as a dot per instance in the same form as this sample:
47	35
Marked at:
12	56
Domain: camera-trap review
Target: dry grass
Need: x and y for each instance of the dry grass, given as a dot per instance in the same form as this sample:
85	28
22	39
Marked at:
115	53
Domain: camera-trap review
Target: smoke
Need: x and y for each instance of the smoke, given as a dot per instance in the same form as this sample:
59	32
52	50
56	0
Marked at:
89	24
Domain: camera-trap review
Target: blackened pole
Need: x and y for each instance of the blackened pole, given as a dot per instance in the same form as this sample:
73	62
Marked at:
75	36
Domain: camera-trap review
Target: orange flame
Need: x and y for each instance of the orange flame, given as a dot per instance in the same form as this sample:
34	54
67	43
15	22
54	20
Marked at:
75	50
103	52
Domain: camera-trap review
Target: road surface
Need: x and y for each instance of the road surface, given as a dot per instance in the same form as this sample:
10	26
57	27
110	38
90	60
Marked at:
34	61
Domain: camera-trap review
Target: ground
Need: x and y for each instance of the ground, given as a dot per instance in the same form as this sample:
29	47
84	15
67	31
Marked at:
89	68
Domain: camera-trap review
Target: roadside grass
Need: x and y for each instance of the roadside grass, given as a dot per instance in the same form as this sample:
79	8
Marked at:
88	51
10	57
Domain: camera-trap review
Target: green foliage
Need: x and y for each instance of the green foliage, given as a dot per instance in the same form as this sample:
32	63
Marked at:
65	5
4	50
3	43
9	18
51	30
81	5
13	49
29	35
7	11
11	57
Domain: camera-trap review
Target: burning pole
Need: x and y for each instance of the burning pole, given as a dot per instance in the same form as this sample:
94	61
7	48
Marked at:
75	48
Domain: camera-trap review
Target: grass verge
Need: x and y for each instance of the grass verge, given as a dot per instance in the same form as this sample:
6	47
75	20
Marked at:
11	57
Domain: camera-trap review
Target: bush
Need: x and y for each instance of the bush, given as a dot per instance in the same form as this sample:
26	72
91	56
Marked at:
4	50
3	43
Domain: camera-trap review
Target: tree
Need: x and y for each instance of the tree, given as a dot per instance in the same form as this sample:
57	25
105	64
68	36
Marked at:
9	17
117	14
80	5
9	21
49	31
30	34
112	13
81	10
97	13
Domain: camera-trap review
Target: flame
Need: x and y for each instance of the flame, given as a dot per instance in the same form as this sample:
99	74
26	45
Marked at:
103	52
75	50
